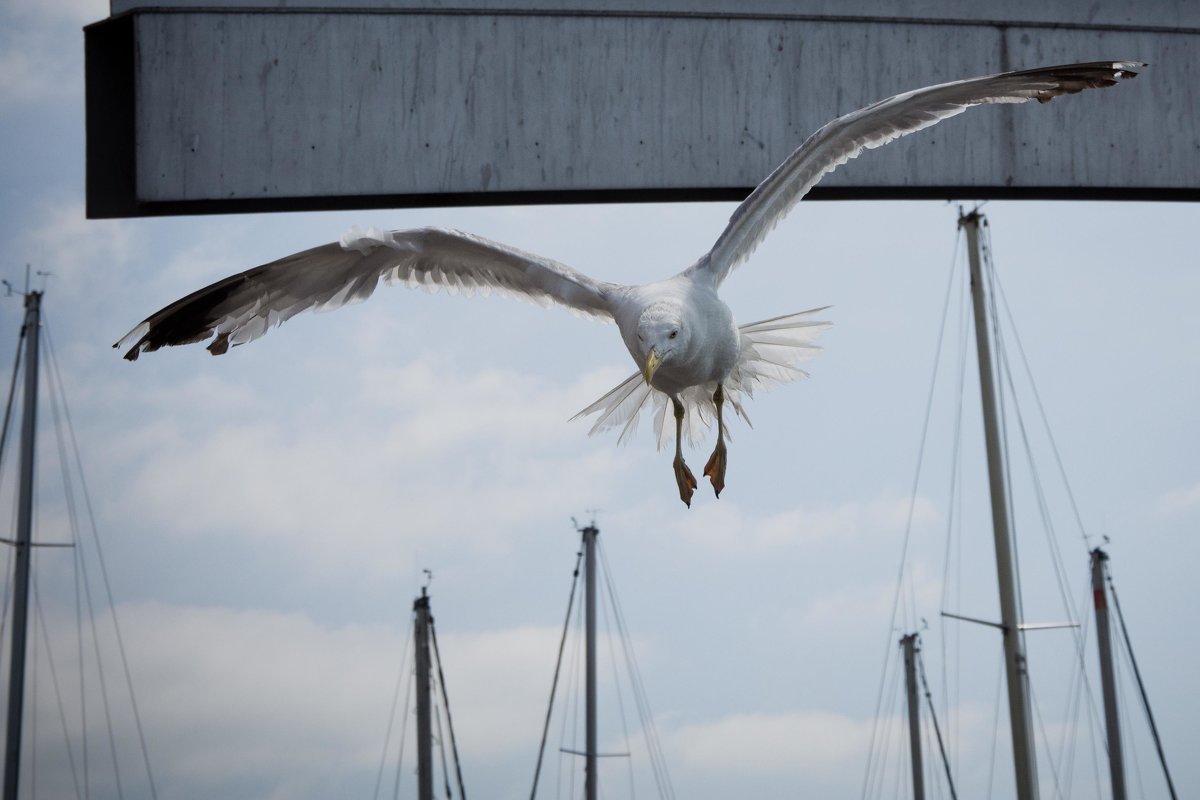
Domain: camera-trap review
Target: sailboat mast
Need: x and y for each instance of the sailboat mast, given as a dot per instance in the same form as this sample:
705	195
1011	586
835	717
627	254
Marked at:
1116	762
424	715
1016	666
589	577
16	679
909	643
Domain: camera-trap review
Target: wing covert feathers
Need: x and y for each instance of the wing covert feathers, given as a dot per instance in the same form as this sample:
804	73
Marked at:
879	123
243	307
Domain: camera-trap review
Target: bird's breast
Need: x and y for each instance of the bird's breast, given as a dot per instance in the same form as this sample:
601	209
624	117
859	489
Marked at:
710	356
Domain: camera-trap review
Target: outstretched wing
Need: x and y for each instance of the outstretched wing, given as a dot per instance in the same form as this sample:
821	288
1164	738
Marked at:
243	307
876	125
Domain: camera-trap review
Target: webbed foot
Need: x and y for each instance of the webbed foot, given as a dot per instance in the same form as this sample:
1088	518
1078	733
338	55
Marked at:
714	470
685	480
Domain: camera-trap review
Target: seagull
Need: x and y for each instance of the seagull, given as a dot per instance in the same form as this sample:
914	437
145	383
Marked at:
690	353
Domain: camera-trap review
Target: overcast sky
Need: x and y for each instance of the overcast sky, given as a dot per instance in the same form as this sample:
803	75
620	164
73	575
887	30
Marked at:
266	515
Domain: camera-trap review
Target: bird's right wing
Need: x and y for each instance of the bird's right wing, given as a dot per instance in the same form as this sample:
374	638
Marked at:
874	126
243	307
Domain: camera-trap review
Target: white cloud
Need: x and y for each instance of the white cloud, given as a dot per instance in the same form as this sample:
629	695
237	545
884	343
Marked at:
731	529
1179	500
817	743
75	12
869	603
41	49
275	701
364	492
84	258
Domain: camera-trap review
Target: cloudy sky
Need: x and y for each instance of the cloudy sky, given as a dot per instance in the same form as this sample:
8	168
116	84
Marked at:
266	515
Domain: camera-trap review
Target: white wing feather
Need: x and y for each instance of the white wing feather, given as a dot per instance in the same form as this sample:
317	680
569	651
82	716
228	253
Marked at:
847	136
243	307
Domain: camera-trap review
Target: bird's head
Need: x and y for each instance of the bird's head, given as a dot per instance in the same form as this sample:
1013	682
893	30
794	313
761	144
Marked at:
660	334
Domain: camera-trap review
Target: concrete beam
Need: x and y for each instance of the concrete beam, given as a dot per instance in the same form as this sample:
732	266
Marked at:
199	110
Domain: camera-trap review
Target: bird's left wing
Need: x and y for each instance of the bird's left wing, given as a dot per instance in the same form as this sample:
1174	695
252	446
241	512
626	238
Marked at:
876	125
243	307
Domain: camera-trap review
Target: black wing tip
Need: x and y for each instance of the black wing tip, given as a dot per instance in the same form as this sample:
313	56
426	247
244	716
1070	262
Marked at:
157	337
1075	78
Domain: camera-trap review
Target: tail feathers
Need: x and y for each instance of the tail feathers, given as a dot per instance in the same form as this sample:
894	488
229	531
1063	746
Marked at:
773	349
770	352
620	406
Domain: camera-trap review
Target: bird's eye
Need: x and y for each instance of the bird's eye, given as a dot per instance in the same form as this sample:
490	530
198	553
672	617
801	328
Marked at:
674	334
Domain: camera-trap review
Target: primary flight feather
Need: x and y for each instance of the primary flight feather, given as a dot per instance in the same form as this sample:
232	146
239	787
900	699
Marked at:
690	353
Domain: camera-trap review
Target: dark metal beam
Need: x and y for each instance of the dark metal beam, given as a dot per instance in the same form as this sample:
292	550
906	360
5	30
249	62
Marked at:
195	109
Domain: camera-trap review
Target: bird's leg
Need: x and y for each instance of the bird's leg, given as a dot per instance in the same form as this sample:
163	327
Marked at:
714	470
683	475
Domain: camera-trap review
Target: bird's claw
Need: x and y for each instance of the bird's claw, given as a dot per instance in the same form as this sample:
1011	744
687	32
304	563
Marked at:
685	480
714	470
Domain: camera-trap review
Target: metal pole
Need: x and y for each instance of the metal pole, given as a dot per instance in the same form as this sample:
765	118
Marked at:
909	643
589	575
424	726
1116	763
1016	666
16	680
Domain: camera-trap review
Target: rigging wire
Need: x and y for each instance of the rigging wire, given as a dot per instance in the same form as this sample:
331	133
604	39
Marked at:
1122	667
12	394
955	508
1137	673
1069	739
57	392
889	717
993	323
77	560
462	792
387	736
1126	720
441	740
887	658
1093	713
658	760
73	521
995	725
8	406
32	708
78	461
936	729
612	655
1062	574
1037	712
62	709
557	665
404	728
571	715
892	732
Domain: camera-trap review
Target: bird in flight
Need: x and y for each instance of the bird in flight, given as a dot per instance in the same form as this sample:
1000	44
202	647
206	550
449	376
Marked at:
689	352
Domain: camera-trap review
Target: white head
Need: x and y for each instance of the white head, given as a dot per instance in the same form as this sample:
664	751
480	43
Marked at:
660	334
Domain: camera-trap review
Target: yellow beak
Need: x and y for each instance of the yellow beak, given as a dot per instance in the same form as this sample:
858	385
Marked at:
653	362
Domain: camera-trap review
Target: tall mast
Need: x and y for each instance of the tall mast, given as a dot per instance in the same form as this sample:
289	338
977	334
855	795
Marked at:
424	705
1116	763
909	643
1015	664
16	680
589	576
